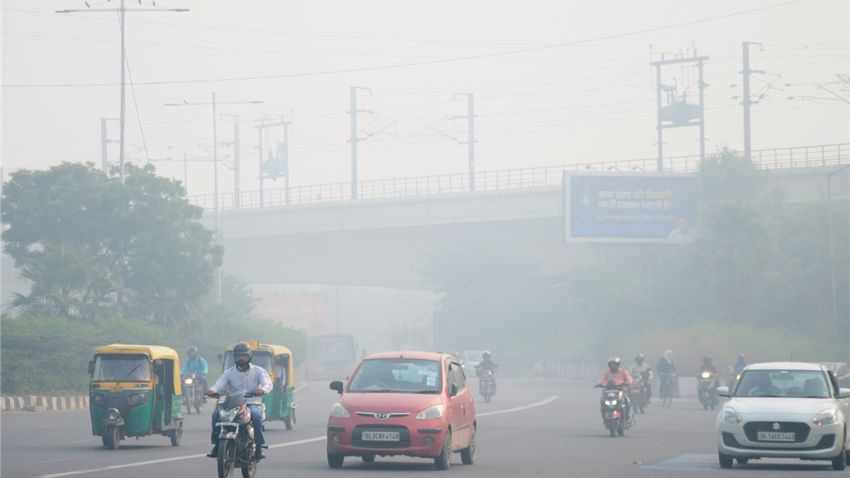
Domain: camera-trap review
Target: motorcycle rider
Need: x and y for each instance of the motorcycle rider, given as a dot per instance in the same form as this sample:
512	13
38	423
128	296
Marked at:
707	366
620	377
667	368
740	364
197	365
486	364
243	377
639	369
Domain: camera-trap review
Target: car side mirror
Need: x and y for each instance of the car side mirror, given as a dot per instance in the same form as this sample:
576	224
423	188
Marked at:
91	367
844	393
453	390
336	385
722	391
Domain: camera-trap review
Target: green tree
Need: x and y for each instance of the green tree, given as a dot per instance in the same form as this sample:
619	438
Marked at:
94	247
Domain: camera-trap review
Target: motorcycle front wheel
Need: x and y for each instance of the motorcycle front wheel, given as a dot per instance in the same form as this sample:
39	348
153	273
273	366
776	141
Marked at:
226	452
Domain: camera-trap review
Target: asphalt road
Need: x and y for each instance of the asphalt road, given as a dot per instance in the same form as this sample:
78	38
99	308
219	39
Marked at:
534	428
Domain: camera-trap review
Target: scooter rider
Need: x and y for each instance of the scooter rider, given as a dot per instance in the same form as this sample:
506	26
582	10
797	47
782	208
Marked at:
620	377
486	364
197	365
243	377
707	366
640	368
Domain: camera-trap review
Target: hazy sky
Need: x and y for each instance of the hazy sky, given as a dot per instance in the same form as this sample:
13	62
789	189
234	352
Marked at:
577	101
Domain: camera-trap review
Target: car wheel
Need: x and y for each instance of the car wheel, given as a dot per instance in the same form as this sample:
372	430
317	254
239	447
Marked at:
839	463
725	460
444	460
467	455
742	460
335	461
368	458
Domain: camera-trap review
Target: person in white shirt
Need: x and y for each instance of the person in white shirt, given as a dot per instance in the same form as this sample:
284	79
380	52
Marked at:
243	377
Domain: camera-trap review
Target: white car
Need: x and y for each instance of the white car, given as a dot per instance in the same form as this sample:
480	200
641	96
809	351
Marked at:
785	410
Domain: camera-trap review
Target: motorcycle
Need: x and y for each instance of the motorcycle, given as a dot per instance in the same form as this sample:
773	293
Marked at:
613	406
641	390
193	392
487	384
236	435
707	389
734	376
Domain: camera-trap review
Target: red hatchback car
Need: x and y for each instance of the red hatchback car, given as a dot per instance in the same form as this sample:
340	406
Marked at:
403	403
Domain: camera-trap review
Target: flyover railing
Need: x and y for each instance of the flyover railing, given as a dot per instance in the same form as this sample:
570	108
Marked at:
507	179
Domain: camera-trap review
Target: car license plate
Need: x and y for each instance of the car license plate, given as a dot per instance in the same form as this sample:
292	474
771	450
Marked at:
381	436
776	436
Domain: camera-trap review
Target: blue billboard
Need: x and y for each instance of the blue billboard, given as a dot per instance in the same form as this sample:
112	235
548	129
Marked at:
630	207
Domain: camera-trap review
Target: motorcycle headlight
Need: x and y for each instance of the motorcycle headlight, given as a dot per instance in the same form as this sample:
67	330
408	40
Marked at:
338	411
706	375
826	417
136	398
730	416
97	399
431	413
188	381
610	403
228	415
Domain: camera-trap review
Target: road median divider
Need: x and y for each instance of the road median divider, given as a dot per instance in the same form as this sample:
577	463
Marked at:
43	403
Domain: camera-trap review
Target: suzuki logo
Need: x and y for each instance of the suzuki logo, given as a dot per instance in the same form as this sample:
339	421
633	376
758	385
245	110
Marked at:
382	416
776	426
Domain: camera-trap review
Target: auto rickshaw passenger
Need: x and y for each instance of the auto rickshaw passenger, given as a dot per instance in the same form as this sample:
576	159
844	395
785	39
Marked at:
243	377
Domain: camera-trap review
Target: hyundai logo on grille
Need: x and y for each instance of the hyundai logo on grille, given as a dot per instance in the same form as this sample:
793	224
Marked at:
382	416
776	426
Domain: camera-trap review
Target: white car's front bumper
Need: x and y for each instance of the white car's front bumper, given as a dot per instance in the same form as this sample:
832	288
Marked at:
811	442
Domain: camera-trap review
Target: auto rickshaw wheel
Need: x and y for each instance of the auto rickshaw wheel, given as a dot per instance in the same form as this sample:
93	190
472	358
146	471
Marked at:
111	437
176	435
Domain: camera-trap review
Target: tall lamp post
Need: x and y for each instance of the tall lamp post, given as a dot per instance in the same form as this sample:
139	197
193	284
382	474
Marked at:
832	249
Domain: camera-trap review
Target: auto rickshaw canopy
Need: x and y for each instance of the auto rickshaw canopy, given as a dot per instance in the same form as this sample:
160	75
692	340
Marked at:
154	352
281	351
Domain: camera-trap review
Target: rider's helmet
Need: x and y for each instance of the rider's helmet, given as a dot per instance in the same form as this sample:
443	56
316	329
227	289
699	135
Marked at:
192	352
486	356
242	355
668	355
741	358
614	364
639	358
706	360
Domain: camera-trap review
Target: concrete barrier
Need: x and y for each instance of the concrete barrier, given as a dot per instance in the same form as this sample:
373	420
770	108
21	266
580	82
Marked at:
43	403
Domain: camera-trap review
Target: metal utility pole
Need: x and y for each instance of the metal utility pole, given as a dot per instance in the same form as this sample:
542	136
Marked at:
832	245
260	127
470	141
678	112
104	159
122	10
286	160
215	142
745	71
353	140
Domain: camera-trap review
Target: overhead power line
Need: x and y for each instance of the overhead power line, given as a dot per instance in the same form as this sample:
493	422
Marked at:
515	51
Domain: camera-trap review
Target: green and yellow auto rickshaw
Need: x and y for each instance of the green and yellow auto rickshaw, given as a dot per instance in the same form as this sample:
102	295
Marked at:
280	404
135	392
278	361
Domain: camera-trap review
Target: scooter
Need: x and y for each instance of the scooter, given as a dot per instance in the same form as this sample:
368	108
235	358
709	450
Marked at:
614	408
641	391
487	385
707	389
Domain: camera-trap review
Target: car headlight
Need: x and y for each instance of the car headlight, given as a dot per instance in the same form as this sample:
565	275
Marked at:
727	415
338	411
136	398
826	417
188	381
431	413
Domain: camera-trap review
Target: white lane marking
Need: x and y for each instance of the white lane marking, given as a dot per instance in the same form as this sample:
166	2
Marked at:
279	445
302	387
168	460
519	409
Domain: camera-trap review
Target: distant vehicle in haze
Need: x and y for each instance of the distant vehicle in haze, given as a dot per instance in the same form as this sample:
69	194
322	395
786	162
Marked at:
785	410
470	360
329	357
403	403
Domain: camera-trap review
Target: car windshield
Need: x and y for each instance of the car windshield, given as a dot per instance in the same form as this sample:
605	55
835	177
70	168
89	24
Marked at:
783	383
397	375
122	368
